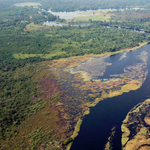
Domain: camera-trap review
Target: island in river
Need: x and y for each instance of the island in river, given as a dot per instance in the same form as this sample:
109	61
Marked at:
135	128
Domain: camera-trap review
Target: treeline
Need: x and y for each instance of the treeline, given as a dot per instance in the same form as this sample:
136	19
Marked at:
133	19
71	5
128	19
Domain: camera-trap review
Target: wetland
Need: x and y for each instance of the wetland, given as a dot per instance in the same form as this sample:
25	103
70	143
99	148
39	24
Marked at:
54	78
119	80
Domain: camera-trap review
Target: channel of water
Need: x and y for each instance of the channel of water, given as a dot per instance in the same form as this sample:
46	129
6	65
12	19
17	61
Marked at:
109	113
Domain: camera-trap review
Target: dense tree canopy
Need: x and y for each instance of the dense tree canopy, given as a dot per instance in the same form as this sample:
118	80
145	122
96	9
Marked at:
71	5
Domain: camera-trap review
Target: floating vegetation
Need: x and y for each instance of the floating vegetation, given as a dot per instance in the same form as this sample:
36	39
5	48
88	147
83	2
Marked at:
138	71
91	68
107	81
123	56
109	145
77	129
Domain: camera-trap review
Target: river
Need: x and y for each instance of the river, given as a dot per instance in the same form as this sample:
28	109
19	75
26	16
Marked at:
109	113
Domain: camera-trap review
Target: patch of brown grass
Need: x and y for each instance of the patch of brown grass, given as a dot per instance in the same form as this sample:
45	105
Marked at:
142	15
49	87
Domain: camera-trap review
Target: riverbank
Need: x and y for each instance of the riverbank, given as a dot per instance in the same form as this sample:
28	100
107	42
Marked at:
137	121
125	88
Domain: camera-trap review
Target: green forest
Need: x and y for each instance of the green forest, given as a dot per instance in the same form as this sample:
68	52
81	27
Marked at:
70	5
25	44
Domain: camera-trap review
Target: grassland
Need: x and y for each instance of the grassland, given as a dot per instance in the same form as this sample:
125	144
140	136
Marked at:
93	18
32	27
46	56
77	129
98	15
28	4
47	124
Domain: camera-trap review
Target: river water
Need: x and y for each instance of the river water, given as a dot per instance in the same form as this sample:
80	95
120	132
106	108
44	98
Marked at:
70	15
109	113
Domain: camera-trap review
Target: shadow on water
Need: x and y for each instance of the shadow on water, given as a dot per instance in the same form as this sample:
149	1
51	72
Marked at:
96	127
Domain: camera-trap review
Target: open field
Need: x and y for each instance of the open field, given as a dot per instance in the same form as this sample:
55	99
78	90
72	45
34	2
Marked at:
32	27
28	4
93	18
97	15
46	56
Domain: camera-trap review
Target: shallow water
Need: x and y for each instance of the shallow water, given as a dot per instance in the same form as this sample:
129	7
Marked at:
51	23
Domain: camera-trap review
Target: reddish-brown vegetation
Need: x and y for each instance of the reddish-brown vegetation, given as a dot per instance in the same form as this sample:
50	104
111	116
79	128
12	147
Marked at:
49	87
142	15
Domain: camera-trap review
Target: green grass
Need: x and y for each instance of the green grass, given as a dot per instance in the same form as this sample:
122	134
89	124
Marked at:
94	15
129	87
32	26
84	75
75	133
77	128
87	112
94	18
46	56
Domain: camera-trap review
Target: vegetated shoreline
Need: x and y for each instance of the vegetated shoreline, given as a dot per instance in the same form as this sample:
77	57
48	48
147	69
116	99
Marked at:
87	112
97	100
123	50
136	138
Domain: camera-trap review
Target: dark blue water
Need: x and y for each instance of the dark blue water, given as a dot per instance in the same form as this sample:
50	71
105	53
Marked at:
118	66
96	127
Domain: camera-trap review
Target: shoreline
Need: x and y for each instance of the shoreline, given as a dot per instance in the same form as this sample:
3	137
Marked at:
116	52
87	112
